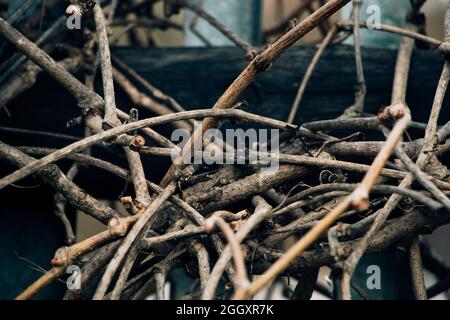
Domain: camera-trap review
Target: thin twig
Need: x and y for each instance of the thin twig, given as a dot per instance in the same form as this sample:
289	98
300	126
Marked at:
86	98
68	255
361	86
102	136
246	47
262	212
234	247
398	94
395	30
110	117
129	239
308	74
53	176
202	255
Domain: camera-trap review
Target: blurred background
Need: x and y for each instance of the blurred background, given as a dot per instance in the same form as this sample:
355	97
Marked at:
272	12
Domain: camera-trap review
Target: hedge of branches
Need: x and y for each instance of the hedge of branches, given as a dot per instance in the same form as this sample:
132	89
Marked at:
186	219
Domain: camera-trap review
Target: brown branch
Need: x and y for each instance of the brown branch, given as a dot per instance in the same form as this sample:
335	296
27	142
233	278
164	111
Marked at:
126	269
122	173
66	256
52	175
26	77
234	247
361	91
129	239
158	94
137	172
102	136
415	261
86	98
202	255
396	30
259	64
398	95
110	117
301	90
60	207
262	212
142	100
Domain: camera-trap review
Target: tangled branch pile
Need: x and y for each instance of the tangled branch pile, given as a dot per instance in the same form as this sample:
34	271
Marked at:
233	220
